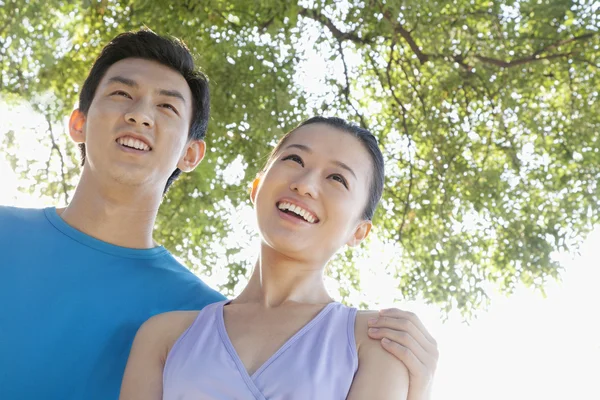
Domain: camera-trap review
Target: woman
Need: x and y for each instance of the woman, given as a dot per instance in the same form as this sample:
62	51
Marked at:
284	337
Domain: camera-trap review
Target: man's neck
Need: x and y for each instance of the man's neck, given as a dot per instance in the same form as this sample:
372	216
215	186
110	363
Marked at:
123	217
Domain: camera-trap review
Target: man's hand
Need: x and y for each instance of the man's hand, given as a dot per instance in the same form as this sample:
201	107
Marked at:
402	334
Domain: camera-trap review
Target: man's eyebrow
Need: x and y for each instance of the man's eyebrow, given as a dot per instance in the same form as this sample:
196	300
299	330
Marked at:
131	83
171	93
124	81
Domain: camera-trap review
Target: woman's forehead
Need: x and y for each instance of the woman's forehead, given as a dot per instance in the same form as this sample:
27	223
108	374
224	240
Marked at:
332	144
323	138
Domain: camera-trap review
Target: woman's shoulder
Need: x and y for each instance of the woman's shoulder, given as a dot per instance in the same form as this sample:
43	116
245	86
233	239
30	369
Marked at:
361	327
171	320
162	330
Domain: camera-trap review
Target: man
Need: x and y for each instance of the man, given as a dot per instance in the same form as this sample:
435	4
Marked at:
76	283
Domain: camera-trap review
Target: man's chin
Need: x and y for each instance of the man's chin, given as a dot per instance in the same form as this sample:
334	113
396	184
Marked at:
135	179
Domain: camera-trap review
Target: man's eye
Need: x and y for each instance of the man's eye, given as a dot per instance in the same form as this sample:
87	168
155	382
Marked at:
294	158
170	107
121	93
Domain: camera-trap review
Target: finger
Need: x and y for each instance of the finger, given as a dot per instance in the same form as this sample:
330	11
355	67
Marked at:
404	325
404	354
406	340
412	317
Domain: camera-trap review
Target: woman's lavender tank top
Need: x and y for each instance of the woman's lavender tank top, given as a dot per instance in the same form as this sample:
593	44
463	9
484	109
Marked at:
318	362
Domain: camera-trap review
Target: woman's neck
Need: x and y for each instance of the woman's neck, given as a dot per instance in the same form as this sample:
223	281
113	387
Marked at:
120	216
278	279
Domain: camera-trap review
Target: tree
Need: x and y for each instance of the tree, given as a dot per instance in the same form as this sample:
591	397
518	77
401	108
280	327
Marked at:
487	111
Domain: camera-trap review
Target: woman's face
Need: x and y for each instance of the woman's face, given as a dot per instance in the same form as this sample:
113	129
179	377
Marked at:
309	202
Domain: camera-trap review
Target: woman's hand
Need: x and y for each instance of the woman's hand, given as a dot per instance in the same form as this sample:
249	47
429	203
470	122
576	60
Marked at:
402	334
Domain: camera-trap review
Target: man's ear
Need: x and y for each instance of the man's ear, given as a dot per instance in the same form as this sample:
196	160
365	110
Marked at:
254	188
360	233
76	124
194	153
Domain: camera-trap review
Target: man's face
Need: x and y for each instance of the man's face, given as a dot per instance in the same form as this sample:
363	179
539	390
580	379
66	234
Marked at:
136	129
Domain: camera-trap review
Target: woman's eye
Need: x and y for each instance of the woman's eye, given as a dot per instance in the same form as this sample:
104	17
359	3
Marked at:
340	179
294	158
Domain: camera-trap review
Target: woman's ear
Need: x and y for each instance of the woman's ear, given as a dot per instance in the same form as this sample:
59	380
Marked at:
76	125
254	188
360	233
194	153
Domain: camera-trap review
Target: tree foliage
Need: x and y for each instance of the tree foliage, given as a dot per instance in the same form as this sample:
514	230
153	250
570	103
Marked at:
487	110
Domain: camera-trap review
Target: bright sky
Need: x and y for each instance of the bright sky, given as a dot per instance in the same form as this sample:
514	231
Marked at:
524	347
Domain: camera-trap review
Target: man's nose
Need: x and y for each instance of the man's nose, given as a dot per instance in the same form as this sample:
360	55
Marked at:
140	114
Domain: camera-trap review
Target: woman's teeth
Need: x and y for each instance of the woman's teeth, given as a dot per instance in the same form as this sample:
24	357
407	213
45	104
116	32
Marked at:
305	214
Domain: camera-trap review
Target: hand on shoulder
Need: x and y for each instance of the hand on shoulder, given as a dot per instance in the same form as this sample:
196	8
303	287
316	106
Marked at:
403	334
380	375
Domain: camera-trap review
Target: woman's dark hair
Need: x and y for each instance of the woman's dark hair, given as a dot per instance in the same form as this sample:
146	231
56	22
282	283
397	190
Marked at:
369	142
173	53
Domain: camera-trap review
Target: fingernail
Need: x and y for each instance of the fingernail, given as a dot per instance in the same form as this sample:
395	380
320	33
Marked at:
372	321
385	340
373	330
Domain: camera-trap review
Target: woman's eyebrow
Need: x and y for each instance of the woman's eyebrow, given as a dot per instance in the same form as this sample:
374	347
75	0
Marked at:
344	166
300	146
336	162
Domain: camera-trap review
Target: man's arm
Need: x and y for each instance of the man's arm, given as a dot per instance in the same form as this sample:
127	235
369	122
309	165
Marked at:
380	376
143	376
402	334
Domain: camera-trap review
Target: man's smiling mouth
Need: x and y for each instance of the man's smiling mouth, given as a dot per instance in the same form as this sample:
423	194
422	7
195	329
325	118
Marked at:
132	143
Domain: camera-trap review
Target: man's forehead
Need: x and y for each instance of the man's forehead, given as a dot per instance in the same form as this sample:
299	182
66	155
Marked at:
145	72
151	77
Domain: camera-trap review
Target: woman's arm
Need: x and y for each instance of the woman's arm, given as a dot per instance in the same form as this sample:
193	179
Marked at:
143	376
380	375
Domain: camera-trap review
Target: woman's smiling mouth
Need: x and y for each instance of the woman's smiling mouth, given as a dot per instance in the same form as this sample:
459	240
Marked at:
297	211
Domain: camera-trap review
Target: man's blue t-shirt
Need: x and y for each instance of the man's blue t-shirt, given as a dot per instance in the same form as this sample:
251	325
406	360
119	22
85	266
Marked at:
70	306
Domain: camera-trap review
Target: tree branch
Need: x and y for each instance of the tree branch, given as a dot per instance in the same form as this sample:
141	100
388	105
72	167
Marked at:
327	22
393	92
414	88
423	56
62	161
565	41
588	62
346	90
410	141
519	61
406	202
399	29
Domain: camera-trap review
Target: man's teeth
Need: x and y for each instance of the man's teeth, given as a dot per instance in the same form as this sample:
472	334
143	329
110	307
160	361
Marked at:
297	210
133	143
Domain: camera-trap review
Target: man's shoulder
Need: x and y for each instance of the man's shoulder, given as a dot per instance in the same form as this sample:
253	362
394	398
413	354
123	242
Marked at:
19	214
187	288
16	219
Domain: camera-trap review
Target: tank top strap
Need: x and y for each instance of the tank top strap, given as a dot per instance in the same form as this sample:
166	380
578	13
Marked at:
207	317
350	324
